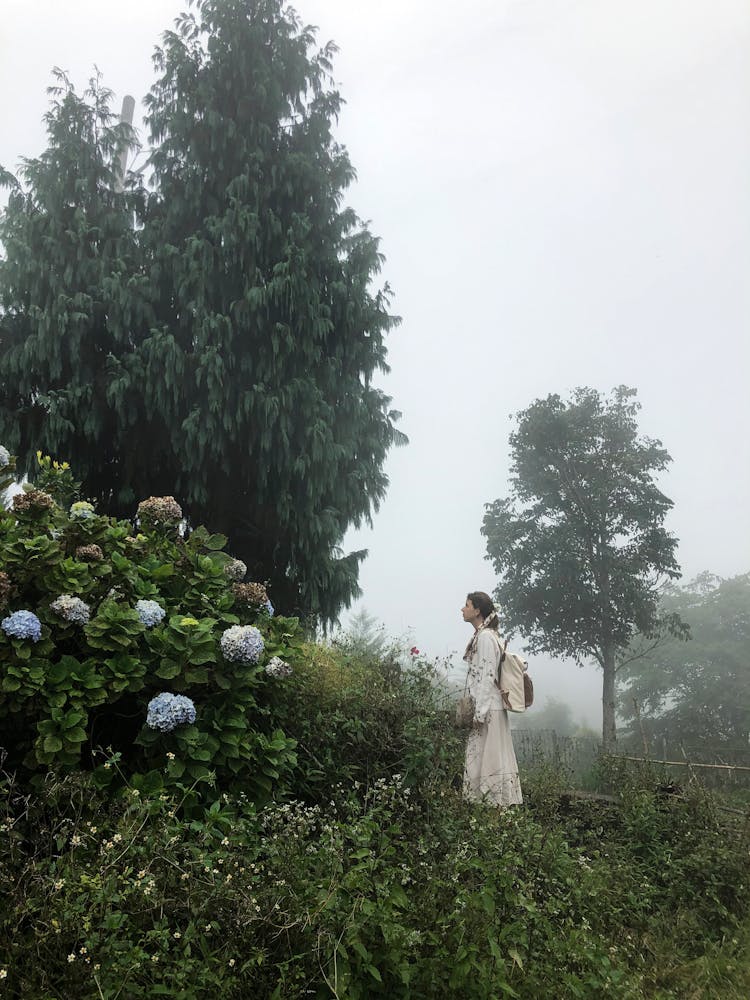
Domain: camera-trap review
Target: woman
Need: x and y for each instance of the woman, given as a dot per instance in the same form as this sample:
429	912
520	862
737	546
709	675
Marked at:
490	771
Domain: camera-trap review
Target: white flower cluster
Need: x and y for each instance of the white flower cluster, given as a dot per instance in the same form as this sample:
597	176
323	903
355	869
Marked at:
242	644
236	570
72	609
276	667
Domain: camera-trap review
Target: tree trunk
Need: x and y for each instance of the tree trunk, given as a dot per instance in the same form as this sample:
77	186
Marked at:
609	730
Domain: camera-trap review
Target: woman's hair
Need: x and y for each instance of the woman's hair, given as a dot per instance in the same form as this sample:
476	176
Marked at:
483	603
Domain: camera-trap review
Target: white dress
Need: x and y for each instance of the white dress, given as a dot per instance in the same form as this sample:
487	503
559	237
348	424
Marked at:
490	770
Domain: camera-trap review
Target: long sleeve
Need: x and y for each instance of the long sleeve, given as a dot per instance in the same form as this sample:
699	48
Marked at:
486	694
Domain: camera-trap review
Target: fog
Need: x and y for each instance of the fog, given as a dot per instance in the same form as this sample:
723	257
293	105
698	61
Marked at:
561	189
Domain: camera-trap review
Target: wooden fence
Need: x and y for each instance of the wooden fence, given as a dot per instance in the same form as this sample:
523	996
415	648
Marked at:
579	756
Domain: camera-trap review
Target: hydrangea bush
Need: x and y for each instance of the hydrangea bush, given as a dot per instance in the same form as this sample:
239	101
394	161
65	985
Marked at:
128	634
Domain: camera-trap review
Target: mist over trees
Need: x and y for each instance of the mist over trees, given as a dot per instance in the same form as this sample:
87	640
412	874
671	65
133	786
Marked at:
580	544
697	694
214	330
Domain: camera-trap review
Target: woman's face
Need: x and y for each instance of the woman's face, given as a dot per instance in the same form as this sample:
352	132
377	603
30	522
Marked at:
470	613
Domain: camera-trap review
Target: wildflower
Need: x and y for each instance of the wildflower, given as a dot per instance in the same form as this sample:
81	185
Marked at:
414	651
158	511
3	972
170	756
35	501
235	569
149	612
82	951
177	935
242	644
59	883
117	838
189	622
276	667
4	460
22	625
71	609
89	553
75	840
231	963
154	958
72	956
167	711
82	510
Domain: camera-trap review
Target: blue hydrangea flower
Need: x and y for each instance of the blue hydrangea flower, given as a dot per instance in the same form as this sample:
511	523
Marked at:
4	457
149	612
242	644
22	625
269	608
82	510
72	609
167	711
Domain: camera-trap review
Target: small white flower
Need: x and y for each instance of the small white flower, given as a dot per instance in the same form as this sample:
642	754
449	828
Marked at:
72	956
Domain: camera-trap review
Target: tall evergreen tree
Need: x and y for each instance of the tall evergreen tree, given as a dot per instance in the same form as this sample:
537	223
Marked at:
65	304
254	332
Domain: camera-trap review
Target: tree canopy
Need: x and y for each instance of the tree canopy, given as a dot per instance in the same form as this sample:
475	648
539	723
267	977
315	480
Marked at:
697	694
580	544
213	331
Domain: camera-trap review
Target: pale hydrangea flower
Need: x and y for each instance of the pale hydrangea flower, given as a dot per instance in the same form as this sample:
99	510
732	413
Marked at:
242	644
82	510
71	609
150	613
235	569
276	667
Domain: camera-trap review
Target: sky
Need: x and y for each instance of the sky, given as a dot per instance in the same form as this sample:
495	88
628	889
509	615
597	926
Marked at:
561	190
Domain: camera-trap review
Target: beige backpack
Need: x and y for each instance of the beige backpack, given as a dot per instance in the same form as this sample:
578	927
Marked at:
514	682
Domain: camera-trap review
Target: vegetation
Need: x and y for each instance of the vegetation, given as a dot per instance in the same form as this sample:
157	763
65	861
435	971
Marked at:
580	544
223	347
288	823
697	695
100	617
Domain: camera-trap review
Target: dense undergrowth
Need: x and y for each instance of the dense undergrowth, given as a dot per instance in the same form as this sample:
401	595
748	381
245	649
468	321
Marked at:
367	876
300	832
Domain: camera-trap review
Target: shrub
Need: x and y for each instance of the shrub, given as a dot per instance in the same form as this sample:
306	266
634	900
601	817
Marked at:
99	620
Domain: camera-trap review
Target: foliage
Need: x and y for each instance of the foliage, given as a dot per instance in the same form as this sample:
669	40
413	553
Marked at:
358	719
100	658
580	544
224	347
698	694
386	889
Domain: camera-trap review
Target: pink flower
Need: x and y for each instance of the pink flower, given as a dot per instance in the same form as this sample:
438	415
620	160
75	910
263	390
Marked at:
414	651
